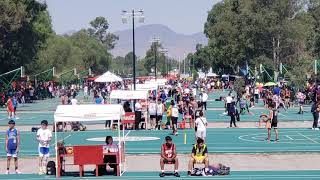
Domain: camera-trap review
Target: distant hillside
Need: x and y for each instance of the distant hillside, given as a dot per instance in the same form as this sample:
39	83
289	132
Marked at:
177	44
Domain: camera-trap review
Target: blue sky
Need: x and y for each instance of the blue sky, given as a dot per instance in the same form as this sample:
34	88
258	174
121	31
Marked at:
182	16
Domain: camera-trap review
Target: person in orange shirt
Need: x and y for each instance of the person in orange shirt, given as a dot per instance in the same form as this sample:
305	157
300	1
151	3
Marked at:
10	108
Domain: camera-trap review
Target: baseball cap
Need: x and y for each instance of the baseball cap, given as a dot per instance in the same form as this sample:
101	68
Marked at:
11	122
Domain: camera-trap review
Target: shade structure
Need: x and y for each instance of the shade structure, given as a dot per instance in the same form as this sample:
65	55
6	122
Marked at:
122	94
108	77
151	86
211	74
270	84
92	112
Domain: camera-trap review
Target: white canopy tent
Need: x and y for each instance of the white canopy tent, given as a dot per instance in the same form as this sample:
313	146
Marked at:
159	82
108	77
124	95
211	74
92	112
147	87
131	95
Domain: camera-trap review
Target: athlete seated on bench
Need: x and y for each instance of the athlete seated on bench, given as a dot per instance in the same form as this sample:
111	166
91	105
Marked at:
199	155
169	156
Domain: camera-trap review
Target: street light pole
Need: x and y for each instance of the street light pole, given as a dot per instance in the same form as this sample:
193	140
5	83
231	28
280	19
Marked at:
155	60
155	42
134	52
133	15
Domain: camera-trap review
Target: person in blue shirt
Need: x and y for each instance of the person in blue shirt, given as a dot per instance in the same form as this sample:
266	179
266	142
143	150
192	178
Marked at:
163	96
15	105
12	146
98	100
277	90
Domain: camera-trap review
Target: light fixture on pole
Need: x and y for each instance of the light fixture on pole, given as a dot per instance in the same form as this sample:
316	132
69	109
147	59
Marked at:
125	16
155	41
165	53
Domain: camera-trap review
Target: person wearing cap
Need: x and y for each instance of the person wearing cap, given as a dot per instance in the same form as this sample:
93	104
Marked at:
169	156
44	136
12	146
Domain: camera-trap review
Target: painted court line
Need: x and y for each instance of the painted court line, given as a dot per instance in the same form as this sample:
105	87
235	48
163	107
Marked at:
308	138
289	137
62	139
127	133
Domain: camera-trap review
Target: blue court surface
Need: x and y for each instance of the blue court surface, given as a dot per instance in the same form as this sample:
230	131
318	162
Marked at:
232	140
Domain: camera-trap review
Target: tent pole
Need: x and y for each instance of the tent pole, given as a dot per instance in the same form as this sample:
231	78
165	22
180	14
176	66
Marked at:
120	147
56	148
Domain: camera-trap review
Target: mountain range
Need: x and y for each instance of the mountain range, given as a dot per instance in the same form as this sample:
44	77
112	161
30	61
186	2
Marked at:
177	44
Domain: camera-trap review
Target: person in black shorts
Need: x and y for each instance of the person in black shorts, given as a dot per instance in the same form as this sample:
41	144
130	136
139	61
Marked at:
273	122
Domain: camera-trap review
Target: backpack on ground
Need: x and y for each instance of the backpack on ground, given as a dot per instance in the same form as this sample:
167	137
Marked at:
51	168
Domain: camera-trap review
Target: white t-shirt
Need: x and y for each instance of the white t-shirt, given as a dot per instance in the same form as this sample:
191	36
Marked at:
204	97
194	91
74	101
160	109
256	91
138	106
174	112
152	108
228	99
44	135
201	125
187	91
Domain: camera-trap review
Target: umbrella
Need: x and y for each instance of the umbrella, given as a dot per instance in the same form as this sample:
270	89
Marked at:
270	84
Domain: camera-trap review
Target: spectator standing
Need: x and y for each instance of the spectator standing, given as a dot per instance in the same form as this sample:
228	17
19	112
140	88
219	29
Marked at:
12	144
201	126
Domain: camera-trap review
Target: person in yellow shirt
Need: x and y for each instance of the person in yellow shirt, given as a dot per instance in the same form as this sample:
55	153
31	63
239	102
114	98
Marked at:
199	155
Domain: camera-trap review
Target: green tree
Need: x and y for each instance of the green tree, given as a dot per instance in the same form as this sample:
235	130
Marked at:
25	26
255	31
59	53
94	54
99	30
149	60
314	9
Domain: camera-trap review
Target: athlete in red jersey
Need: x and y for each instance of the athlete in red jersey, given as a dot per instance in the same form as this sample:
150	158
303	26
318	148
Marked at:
169	156
10	108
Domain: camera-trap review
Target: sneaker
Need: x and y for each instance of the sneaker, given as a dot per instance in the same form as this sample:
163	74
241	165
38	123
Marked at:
189	173
7	172
317	129
162	174
44	170
313	128
40	171
176	174
18	172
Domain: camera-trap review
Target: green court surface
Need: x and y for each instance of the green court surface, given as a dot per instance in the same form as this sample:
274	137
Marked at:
231	140
34	117
235	175
32	114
